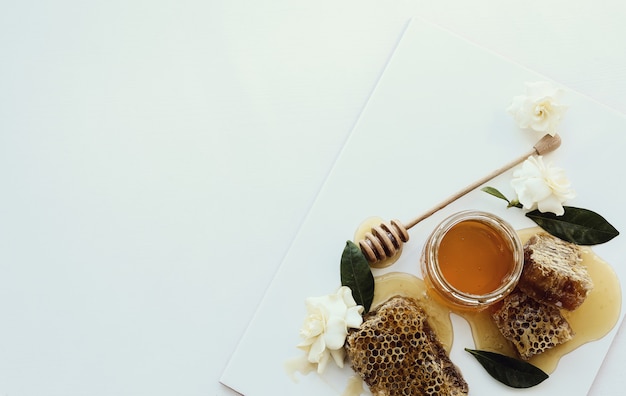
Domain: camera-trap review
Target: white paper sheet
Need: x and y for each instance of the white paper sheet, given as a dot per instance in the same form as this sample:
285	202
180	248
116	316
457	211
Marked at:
435	123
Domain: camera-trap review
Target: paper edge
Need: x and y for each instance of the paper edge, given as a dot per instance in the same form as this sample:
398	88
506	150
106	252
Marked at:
223	380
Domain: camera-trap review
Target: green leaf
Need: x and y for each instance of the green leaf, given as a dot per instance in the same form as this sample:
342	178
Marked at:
576	225
495	193
511	372
356	274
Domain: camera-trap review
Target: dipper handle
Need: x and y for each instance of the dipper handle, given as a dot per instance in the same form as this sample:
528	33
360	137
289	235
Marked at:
384	241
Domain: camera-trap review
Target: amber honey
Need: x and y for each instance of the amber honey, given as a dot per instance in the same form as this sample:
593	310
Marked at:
475	258
472	260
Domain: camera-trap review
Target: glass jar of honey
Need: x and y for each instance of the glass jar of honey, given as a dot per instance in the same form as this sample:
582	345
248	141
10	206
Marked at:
472	259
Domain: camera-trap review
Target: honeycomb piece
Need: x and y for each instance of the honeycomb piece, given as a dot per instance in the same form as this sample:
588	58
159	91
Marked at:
553	273
396	353
531	326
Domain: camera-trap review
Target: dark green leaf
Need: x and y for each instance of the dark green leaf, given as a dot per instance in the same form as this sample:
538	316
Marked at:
356	274
576	225
512	372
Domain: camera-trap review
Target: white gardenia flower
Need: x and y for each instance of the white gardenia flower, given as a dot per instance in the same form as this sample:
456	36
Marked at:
539	109
541	187
326	326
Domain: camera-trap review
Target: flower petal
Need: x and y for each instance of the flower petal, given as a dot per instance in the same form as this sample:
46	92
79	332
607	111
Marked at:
539	109
338	356
354	319
336	332
551	204
326	326
537	189
317	349
347	297
540	186
313	326
323	361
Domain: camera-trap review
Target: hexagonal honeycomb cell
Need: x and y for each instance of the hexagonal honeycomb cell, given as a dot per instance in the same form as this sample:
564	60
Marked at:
531	326
396	352
553	273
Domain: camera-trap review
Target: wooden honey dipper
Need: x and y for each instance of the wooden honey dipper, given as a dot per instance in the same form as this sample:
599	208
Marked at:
384	240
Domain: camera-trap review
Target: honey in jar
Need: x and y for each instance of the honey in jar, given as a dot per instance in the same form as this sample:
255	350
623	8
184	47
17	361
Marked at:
472	259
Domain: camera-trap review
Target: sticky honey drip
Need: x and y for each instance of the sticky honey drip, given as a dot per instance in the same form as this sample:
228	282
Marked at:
406	285
591	321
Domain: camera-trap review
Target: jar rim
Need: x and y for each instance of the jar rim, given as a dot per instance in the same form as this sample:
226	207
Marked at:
430	265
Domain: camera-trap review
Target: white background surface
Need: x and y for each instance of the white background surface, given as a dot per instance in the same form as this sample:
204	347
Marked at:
157	158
